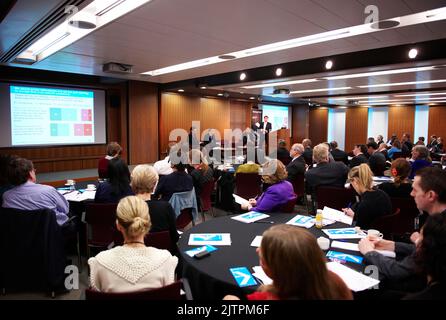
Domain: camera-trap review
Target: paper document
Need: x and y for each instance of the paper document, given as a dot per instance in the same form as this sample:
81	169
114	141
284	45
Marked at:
250	217
261	276
77	196
214	239
241	201
302	221
343	233
332	214
257	241
354	280
345	245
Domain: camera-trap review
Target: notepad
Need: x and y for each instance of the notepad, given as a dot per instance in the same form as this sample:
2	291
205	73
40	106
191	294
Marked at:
241	201
302	221
336	215
354	280
194	251
214	239
336	255
257	241
261	276
345	245
250	217
343	233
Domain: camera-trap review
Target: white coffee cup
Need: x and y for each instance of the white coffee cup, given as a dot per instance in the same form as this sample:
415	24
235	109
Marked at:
373	234
323	243
91	187
70	182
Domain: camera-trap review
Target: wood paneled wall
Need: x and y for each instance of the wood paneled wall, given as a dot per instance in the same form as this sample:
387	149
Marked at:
143	122
300	123
401	120
178	111
356	120
318	125
437	122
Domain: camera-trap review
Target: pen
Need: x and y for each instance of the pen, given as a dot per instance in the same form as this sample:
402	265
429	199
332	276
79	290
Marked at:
263	221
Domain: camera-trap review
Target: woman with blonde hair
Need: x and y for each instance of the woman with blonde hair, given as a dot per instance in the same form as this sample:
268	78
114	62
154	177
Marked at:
132	266
291	257
279	192
162	215
373	203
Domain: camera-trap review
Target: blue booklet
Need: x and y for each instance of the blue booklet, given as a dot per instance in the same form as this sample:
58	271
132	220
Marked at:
194	251
243	277
335	255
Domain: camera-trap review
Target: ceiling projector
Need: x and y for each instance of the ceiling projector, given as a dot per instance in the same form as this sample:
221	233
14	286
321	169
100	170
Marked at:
281	92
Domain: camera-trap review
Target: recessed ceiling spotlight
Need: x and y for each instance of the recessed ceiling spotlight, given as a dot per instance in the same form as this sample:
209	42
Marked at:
220	94
180	90
279	72
328	64
251	98
203	87
242	76
413	53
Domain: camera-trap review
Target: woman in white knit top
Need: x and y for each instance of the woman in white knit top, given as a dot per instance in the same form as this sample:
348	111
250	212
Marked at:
133	266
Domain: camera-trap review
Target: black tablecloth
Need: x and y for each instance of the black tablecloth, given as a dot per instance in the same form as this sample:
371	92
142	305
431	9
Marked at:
210	278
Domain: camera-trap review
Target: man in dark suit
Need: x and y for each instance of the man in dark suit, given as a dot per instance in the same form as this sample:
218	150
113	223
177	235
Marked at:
325	173
308	151
359	151
297	164
377	160
264	129
338	154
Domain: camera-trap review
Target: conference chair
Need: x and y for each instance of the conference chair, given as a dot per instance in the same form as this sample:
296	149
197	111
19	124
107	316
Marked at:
205	198
334	197
169	292
102	233
397	155
388	225
289	206
185	206
406	221
160	240
32	249
248	185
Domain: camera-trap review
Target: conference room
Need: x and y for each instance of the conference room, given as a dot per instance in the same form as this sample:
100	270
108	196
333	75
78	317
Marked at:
312	125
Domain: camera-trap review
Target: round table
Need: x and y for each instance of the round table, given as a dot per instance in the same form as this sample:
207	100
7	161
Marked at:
210	278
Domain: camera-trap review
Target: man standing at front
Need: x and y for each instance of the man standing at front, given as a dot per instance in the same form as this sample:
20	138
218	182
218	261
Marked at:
265	128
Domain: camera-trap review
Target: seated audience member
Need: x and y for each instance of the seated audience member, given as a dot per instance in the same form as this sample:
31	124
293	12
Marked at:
379	139
248	167
5	167
439	147
201	173
383	149
370	140
401	187
282	152
373	203
396	147
113	151
279	192
117	185
338	154
359	152
177	181
420	141
429	192
406	141
132	266
430	259
297	165
325	173
330	156
308	151
163	167
392	139
291	257
162	216
377	161
29	195
420	159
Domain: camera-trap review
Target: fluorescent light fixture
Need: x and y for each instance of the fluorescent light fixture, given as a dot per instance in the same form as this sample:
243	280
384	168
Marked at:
412	99
282	83
102	11
355	98
408	20
401	83
319	90
379	73
420	94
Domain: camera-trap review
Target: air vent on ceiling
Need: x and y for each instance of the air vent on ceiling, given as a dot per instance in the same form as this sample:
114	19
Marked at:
47	23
